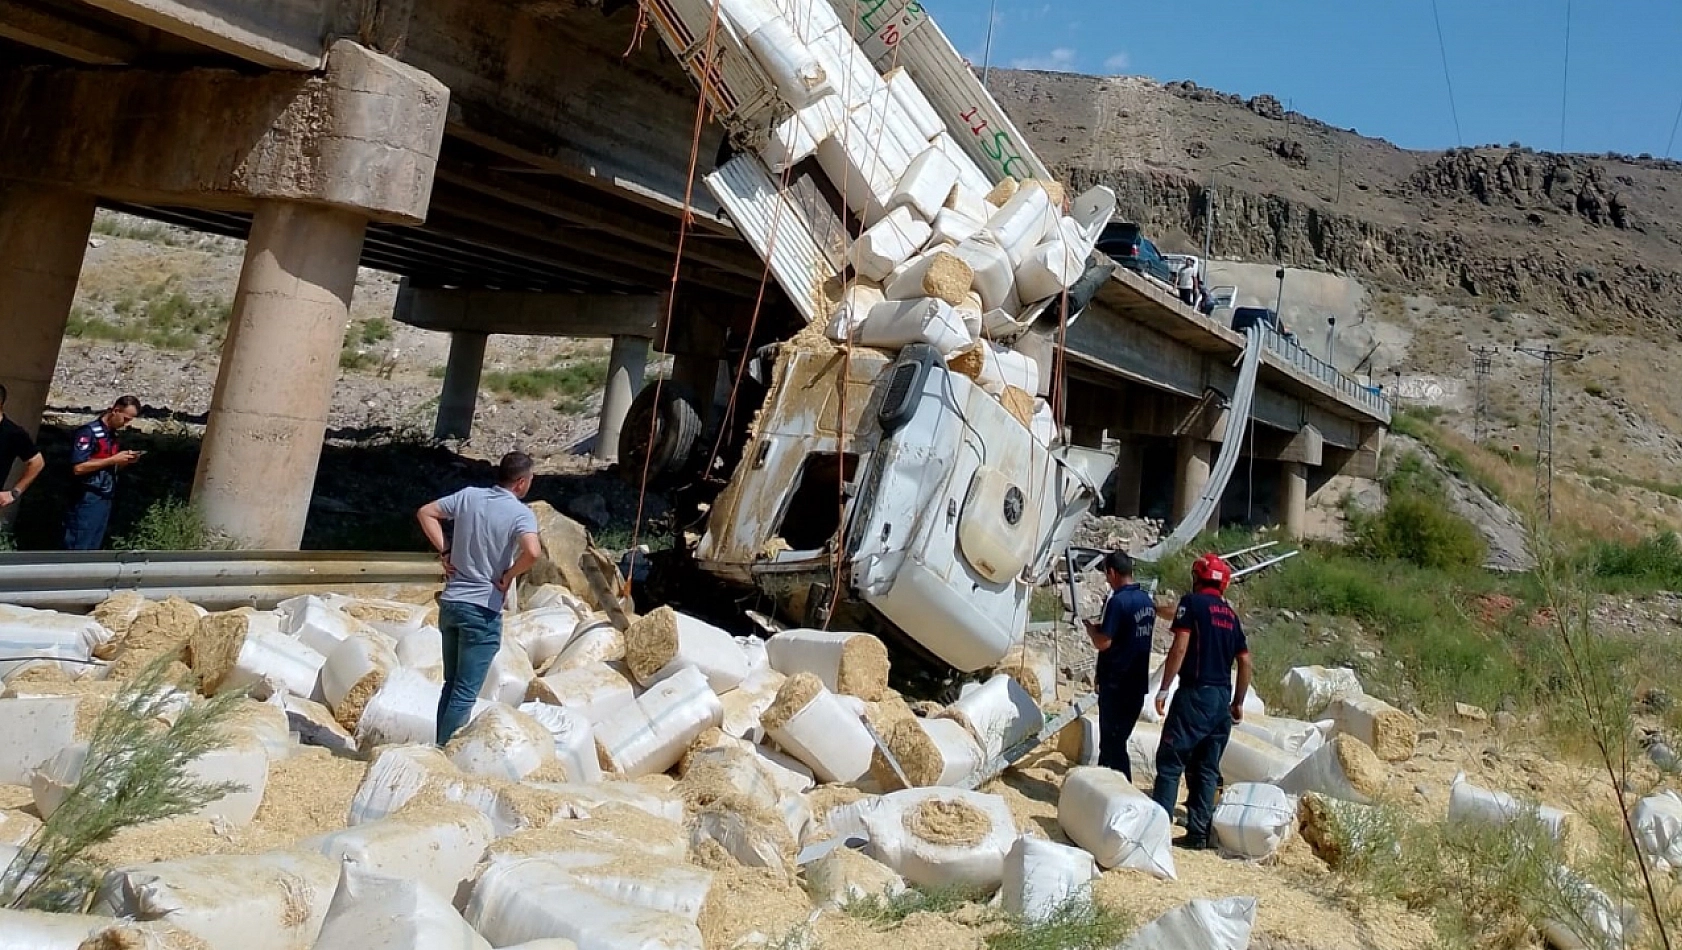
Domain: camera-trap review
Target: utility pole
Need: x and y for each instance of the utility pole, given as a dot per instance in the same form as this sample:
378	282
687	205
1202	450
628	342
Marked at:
1331	340
1545	423
1481	363
1279	304
987	50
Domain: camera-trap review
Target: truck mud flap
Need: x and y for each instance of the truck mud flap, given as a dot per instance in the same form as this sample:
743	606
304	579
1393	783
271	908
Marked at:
777	230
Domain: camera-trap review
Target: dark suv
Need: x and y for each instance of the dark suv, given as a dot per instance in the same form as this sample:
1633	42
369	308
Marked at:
1132	250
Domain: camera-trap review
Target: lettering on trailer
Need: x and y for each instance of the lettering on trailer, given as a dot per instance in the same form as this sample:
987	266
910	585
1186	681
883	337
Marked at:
885	25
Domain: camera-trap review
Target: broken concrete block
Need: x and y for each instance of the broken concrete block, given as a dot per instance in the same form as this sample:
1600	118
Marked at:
1471	713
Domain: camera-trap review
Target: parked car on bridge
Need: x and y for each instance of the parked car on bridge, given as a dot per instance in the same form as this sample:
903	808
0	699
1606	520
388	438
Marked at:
1129	247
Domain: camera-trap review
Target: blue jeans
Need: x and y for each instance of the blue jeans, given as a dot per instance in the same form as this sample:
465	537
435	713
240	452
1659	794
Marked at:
472	635
1193	740
1119	704
85	522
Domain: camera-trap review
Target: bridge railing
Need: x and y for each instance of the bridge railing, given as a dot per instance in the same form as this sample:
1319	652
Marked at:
1348	386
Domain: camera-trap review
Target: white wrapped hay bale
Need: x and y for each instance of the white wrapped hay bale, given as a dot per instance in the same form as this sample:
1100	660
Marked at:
509	677
402	773
1292	736
543	633
865	169
1307	691
574	740
404	710
1022	221
792	65
553	595
857	300
942	839
422	650
1049	269
25	631
953	227
930	751
373	911
808	722
651	734
1389	732
437	846
1658	823
245	650
855	664
1249	759
1042	876
663	642
318	624
502	743
740	804
747	702
888	243
797	137
535	899
1199	924
354	672
39	930
1342	768
1102	812
663	805
1034	668
1473	804
597	692
598	641
936	272
1254	820
245	764
995	276
33	730
929	179
913	104
843	876
314	725
754	653
390	617
273	901
999	714
1593	920
610	829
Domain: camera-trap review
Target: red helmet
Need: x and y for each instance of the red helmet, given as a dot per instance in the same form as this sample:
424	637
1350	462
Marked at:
1210	569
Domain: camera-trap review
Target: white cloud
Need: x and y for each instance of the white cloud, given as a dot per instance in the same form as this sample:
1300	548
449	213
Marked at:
1116	63
1059	60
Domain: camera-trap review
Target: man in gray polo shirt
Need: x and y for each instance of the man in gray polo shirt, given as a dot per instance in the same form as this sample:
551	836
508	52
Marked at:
494	541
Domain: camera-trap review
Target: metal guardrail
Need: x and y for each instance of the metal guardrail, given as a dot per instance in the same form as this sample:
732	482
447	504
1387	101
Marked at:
1347	386
211	579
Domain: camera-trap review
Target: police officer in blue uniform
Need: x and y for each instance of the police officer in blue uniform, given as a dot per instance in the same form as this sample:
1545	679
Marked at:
1208	641
1123	640
95	458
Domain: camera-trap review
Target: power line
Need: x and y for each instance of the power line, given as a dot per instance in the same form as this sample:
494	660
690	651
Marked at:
1565	77
1674	123
1443	49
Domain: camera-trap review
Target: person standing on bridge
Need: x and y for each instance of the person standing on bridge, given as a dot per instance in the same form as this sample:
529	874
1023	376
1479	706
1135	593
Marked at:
16	446
1208	640
1123	640
494	541
95	460
1185	281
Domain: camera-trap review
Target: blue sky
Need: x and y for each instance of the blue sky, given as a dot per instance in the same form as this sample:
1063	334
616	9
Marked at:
1375	65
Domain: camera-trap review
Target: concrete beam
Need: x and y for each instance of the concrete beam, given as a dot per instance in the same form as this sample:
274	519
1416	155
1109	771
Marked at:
364	136
562	87
529	314
278	34
24	22
1306	447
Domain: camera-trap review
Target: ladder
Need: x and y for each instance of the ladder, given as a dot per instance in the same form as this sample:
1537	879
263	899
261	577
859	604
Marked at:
1256	558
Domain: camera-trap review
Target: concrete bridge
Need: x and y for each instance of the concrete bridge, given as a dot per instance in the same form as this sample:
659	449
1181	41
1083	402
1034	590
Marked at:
524	165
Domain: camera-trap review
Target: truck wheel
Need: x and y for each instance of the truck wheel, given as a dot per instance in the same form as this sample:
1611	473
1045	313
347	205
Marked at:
660	433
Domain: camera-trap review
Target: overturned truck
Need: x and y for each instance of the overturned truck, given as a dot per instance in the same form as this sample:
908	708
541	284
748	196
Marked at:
906	472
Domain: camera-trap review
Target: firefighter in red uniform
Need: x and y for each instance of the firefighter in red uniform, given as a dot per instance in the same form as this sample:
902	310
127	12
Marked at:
1208	640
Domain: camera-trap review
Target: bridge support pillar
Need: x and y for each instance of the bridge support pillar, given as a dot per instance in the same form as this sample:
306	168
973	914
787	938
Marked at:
460	395
1128	481
1192	464
625	366
43	235
1293	499
268	414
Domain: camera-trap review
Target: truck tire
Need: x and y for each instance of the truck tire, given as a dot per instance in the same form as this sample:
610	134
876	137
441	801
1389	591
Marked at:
660	433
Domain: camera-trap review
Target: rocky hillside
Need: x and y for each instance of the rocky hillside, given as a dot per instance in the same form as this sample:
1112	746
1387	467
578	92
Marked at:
1593	242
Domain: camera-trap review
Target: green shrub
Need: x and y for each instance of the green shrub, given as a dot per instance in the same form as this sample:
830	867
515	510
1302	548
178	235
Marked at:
1654	562
1419	529
1078	924
170	525
573	382
885	911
